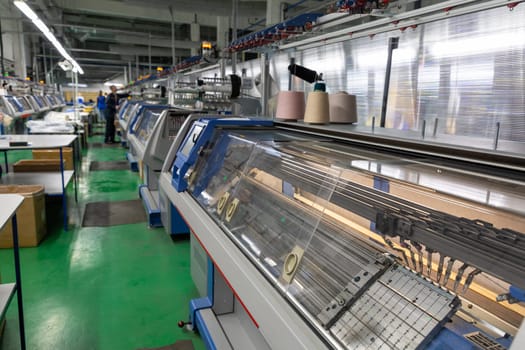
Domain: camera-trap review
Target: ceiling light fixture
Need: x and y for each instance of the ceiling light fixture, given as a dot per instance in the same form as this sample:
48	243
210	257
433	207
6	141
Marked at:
77	85
26	10
109	83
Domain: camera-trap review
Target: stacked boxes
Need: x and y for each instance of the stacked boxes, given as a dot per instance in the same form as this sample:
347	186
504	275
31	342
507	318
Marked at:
31	216
67	154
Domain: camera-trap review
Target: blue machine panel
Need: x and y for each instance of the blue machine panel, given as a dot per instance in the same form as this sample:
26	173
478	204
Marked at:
456	334
517	293
197	138
140	112
123	107
15	103
39	101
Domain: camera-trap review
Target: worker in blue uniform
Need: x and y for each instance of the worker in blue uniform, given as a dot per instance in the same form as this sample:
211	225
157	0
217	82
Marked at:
101	107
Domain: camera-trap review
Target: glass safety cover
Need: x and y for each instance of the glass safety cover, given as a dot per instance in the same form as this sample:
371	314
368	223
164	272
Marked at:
273	194
25	103
130	112
145	125
14	103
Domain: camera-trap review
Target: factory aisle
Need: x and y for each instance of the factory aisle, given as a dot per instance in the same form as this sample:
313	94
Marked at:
119	287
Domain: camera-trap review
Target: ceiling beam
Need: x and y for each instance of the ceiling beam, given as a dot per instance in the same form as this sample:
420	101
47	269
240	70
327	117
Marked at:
109	62
98	30
132	51
185	11
202	7
108	26
143	51
127	10
154	42
94	51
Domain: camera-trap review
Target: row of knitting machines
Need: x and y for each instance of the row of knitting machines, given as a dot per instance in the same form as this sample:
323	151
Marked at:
304	240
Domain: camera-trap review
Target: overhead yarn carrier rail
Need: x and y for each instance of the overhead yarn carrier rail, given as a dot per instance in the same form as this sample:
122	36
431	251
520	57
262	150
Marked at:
277	32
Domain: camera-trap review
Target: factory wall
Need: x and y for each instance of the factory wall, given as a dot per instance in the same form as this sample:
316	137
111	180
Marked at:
88	93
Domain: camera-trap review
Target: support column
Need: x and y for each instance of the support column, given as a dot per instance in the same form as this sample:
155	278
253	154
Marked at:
273	12
137	72
222	67
265	83
36	70
149	54
2	57
52	70
20	51
195	35
235	26
44	57
223	28
173	56
171	86
14	49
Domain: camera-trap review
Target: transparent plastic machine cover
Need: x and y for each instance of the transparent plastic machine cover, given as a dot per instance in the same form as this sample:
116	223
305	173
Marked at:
25	103
41	101
60	99
145	125
124	104
14	103
130	112
270	192
52	100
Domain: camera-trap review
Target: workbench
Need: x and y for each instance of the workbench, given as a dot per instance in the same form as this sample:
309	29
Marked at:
55	183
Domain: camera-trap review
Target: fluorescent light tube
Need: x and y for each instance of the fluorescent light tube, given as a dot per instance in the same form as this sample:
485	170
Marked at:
77	85
26	10
41	25
109	83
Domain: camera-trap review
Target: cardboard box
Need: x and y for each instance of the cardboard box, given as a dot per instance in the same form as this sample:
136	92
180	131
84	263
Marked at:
31	216
67	154
37	165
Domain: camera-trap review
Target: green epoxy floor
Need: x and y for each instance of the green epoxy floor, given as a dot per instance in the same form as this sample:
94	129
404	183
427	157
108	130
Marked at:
120	287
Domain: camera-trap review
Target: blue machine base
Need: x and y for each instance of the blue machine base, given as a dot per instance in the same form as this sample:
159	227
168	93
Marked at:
198	323
154	220
517	293
451	337
178	225
152	210
133	164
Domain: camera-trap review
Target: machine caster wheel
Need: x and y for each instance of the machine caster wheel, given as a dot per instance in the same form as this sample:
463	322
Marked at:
181	324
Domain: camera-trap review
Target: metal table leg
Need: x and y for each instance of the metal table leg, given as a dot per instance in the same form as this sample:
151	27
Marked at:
18	284
75	174
6	162
64	194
